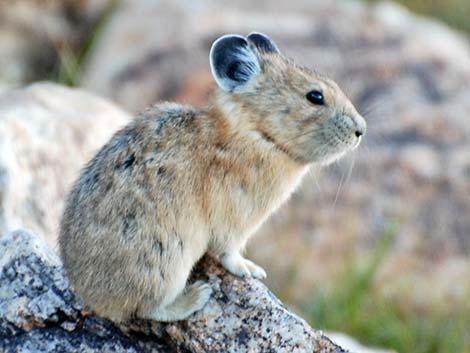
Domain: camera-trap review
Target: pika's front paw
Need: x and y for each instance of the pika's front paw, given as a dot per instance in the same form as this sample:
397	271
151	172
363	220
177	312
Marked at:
239	266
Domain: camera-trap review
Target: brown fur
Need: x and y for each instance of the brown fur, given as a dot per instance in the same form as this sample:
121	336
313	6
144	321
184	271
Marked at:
177	183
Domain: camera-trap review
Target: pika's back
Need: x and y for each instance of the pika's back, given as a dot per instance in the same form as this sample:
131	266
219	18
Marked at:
139	151
124	204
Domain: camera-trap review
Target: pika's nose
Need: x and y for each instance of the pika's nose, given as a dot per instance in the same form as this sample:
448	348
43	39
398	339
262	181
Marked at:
360	125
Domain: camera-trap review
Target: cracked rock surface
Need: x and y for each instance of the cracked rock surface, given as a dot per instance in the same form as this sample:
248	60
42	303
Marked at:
39	313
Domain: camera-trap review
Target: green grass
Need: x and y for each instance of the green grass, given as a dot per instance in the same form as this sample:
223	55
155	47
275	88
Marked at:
356	307
456	13
70	61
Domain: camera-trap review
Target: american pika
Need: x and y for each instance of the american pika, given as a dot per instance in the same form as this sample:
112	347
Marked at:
178	182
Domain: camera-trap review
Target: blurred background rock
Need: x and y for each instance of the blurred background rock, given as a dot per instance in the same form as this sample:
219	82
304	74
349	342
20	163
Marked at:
376	245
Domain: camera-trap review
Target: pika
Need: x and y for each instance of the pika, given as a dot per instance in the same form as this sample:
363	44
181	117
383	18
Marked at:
178	182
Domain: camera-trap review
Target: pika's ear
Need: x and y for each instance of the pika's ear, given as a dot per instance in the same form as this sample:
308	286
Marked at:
263	43
233	62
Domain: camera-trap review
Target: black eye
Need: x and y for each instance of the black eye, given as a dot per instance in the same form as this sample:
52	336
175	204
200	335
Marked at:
316	97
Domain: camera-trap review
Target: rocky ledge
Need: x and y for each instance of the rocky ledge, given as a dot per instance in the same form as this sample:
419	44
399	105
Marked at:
39	313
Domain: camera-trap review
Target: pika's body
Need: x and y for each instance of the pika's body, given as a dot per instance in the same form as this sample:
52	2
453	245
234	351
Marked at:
178	182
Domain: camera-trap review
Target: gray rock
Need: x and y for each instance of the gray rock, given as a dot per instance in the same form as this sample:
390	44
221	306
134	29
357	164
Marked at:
39	313
47	133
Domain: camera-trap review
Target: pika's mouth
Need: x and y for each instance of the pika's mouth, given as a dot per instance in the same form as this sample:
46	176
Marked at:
339	141
351	131
358	142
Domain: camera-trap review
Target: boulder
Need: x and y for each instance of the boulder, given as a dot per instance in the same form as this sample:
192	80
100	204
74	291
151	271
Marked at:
47	133
39	313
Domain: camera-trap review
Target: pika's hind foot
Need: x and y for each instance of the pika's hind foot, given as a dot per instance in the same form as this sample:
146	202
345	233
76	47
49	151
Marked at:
195	296
239	266
192	299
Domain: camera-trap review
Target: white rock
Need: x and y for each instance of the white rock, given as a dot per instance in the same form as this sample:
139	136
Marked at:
47	134
353	345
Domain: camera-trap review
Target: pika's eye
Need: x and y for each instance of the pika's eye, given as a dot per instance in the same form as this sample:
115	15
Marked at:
315	97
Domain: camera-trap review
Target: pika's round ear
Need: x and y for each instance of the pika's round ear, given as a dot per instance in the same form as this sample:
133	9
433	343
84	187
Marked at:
263	43
233	63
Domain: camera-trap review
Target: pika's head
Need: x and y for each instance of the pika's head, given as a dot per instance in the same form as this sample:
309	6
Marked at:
301	112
